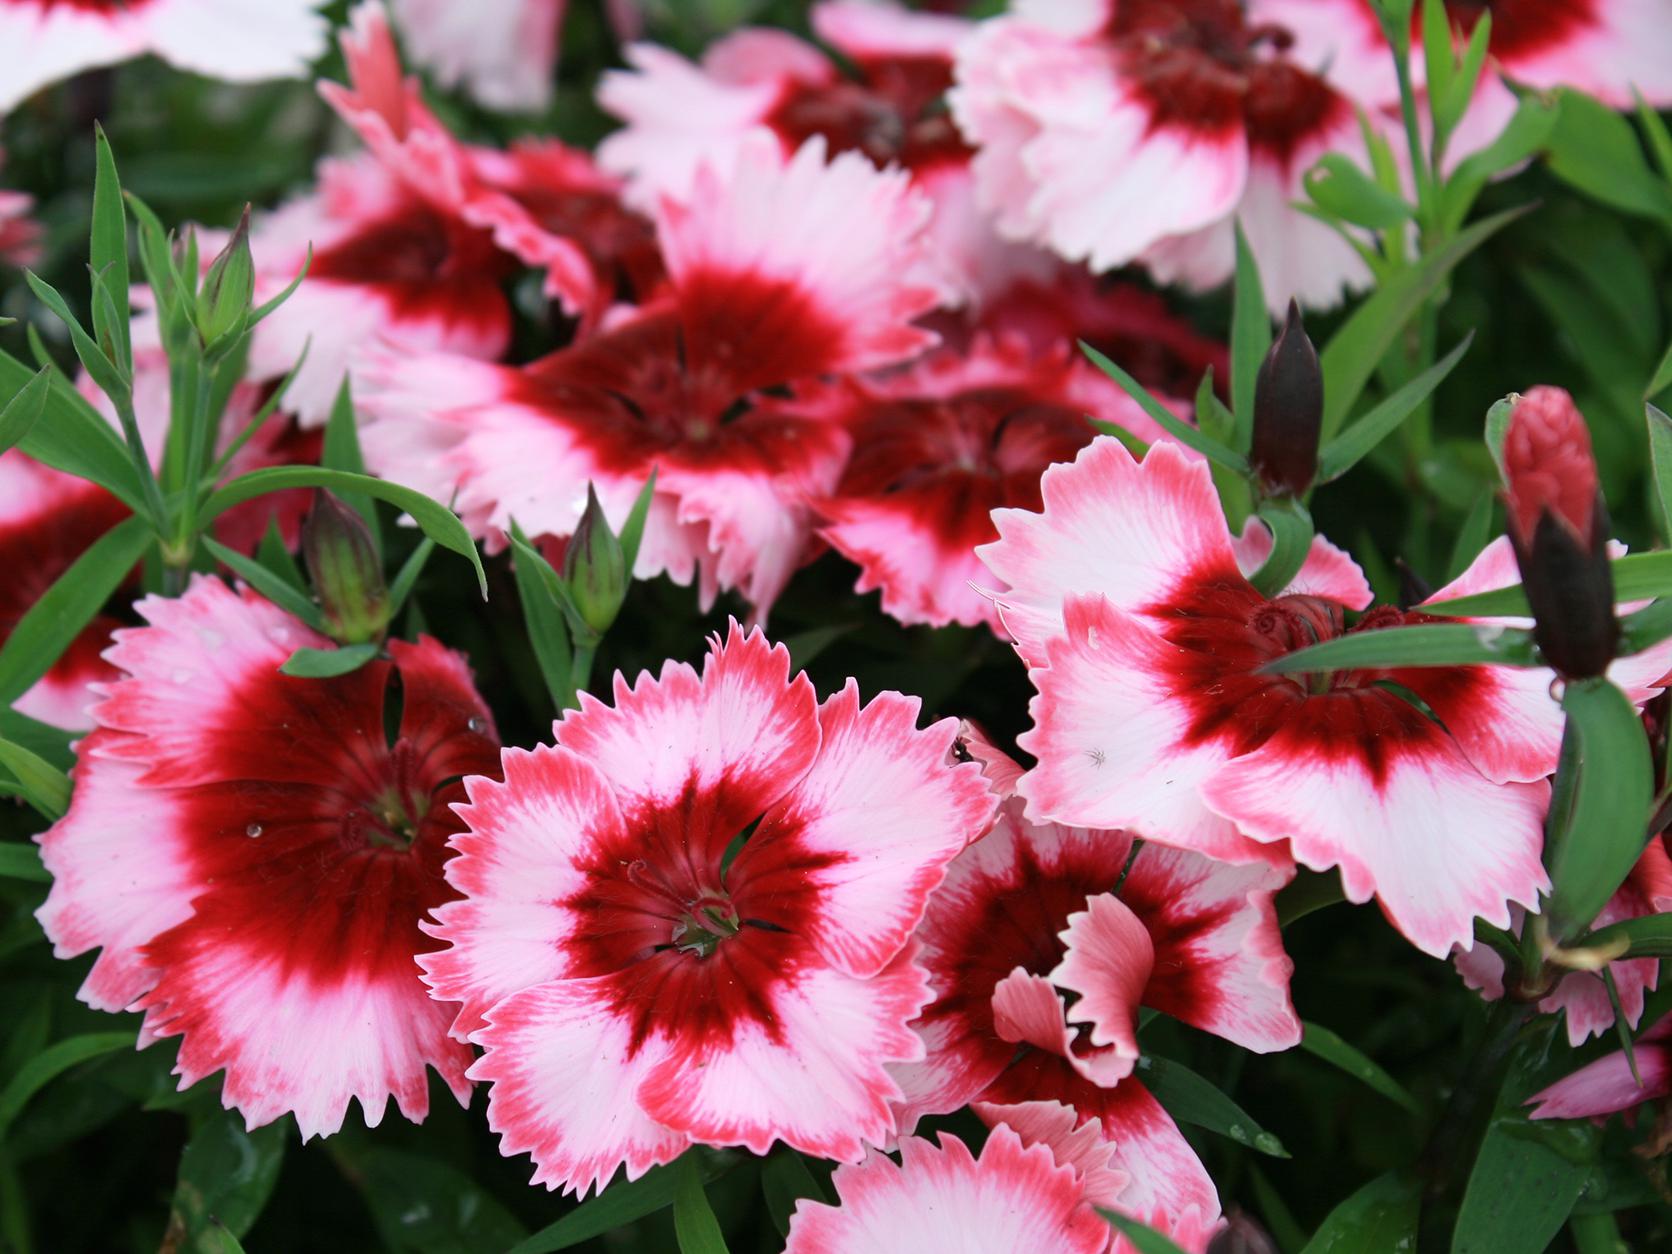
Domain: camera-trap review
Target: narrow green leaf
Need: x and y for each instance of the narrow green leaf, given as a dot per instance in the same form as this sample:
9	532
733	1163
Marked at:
1291	531
785	1180
621	1204
694	1225
1345	192
72	436
1648	626
1649	936
51	744
437	521
1358	346
1594	148
1472	536
23	411
50	1063
406	578
42	784
1660	463
1183	432
280	591
1662	378
548	626
101	368
22	862
1322	1043
1528	129
1427	644
109	251
1250	338
1144	1239
1189	1098
1450	109
1637	577
1520	1192
1343	452
263	311
274	556
424	1206
342	452
226	1176
1381	1216
632	531
1438	61
1605	832
46	630
1280	1220
1307	893
328	663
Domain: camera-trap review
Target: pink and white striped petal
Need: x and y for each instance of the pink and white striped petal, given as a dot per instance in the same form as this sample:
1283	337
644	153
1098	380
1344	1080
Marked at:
503	53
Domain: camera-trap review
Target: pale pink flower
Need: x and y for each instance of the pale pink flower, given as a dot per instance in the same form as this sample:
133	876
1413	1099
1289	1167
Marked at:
1608	1085
1140	131
701	901
258	894
236	40
1029	916
1017	1197
783	273
503	53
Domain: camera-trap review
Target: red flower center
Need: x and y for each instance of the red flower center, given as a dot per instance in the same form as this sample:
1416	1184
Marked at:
423	260
1522	27
892	115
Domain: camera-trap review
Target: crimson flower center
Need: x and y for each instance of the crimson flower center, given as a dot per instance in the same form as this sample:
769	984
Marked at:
894	116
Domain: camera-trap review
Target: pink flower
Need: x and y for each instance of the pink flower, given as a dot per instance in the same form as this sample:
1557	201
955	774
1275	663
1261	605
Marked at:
787	272
1204	118
502	52
544	203
1607	48
681	117
1145	641
1018	1197
941	444
252	854
704	898
1548	466
1582	994
1607	1085
237	40
47	520
1030	913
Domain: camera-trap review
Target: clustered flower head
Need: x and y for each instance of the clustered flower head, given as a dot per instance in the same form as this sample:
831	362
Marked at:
808	296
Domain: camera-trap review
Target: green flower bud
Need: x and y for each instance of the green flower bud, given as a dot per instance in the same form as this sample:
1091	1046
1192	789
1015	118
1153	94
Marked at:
346	571
225	299
595	570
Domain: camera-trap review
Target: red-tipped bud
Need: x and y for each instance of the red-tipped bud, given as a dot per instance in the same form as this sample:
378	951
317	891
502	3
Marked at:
1559	526
347	574
1288	411
1548	464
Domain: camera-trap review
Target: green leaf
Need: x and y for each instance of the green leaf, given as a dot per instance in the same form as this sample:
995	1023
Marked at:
73	437
1662	378
1472	536
1144	1239
1454	103
548	627
103	370
1189	1098
51	1062
1428	644
694	1225
1637	577
109	252
22	862
1250	338
226	1176
275	557
47	629
23	411
1381	1216
1291	531
1605	831
1660	463
621	1204
308	663
1594	149
785	1180
263	311
437	521
51	744
1438	60
1646	627
632	531
1525	134
1358	346
1322	1043
42	784
277	589
1343	452
1520	1192
423	1206
342	452
1183	432
1347	193
1649	936
406	578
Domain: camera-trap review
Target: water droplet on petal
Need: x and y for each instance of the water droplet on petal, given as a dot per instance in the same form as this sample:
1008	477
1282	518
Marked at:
210	639
477	725
254	829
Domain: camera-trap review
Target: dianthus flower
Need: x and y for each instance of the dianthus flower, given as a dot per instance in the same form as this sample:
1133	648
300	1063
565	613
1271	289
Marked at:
502	52
252	853
690	920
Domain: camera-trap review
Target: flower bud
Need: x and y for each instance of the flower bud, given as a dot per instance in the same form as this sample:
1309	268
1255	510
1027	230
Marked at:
224	300
594	569
346	571
1288	411
1558	524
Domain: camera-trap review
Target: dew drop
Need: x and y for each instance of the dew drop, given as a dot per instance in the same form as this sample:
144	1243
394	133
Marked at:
210	639
477	725
279	635
253	830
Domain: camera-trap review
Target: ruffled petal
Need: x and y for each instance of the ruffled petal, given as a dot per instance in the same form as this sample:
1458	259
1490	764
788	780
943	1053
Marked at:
1107	964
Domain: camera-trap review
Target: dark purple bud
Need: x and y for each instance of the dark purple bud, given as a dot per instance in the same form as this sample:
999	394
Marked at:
1288	412
1241	1235
1570	586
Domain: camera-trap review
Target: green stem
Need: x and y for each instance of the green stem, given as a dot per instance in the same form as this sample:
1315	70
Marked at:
1451	1143
142	464
580	672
